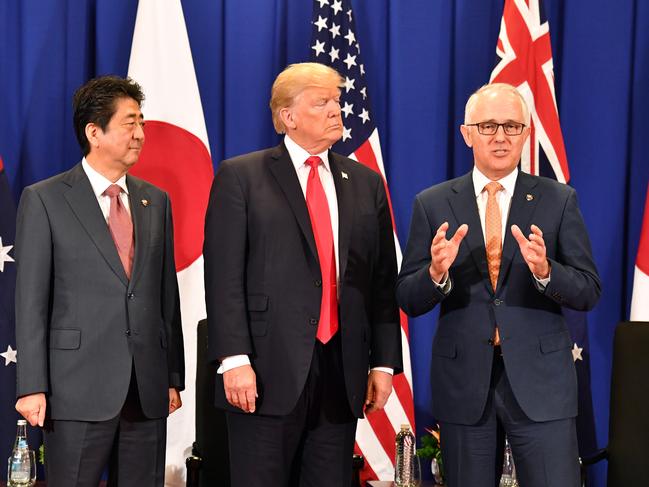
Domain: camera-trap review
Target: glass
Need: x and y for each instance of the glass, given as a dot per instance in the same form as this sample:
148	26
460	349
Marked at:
490	128
21	469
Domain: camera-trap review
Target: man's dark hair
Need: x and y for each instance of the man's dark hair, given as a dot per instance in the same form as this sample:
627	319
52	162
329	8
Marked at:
95	102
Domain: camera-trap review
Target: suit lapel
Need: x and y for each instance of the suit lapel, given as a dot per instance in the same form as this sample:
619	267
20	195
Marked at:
141	223
282	169
522	207
83	202
345	197
465	208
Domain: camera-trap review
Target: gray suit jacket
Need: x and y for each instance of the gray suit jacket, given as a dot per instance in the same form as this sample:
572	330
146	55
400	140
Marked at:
81	325
535	341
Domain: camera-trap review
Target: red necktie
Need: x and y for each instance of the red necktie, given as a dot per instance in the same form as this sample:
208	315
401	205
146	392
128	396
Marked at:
121	228
316	201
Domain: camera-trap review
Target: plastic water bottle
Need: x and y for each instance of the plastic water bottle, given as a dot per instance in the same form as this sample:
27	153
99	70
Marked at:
406	466
20	467
508	478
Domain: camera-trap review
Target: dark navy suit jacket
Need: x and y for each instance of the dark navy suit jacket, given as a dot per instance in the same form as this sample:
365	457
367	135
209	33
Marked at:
536	344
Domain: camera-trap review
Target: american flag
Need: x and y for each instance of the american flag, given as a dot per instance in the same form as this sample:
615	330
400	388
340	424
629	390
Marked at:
334	43
525	61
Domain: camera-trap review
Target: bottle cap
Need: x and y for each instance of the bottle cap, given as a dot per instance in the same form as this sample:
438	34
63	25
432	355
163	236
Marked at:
22	422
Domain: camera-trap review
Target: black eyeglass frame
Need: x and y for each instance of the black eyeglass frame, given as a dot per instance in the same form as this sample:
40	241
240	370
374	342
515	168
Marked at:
498	125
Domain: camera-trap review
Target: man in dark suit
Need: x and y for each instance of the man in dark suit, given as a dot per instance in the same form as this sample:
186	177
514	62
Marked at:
98	329
300	270
501	356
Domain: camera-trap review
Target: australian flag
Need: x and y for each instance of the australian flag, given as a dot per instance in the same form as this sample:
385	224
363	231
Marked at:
8	414
525	61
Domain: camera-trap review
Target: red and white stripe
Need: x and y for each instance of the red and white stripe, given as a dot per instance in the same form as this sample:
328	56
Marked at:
376	432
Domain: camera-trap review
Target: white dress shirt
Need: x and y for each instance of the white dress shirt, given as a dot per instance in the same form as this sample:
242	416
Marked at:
100	184
302	169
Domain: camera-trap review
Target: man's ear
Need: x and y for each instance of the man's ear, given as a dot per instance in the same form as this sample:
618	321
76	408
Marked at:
286	115
466	135
92	132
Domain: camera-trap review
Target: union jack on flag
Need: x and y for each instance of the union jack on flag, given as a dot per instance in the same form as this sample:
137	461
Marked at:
334	43
526	62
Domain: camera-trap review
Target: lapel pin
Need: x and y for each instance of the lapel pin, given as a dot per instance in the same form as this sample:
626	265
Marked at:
529	197
145	203
344	174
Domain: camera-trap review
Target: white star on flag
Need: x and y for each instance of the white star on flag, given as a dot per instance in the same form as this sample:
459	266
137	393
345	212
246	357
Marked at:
347	133
333	54
349	14
349	84
364	92
347	109
318	48
321	23
362	69
350	61
9	355
335	30
4	255
323	2
364	115
337	7
576	353
351	38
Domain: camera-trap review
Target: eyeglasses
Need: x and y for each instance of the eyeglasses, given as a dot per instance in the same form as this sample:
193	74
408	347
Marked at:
490	128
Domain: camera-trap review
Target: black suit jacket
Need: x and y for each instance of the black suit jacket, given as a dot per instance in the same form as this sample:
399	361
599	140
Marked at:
81	325
535	341
263	282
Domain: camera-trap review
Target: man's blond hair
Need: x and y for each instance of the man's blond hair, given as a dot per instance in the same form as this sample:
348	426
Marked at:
490	88
295	79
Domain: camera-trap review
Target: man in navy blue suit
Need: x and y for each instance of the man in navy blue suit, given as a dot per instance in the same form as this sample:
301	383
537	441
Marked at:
502	252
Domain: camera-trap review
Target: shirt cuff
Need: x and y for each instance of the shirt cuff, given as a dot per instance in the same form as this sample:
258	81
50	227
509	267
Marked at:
444	286
232	362
541	284
387	370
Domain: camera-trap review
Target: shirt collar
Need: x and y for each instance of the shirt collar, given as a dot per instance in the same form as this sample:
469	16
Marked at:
480	181
99	182
299	155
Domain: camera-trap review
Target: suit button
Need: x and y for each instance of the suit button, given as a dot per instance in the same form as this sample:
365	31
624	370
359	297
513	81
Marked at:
497	302
317	283
313	321
131	296
128	333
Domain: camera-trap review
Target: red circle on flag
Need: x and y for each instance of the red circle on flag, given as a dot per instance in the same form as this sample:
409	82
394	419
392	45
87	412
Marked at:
178	162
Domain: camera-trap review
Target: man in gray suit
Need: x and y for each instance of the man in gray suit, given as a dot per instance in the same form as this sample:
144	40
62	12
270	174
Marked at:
98	326
501	357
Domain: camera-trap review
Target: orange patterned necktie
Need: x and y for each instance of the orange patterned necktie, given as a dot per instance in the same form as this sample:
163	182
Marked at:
493	238
316	201
121	228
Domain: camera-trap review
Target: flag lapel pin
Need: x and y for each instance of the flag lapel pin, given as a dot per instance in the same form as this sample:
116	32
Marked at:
145	203
344	175
529	197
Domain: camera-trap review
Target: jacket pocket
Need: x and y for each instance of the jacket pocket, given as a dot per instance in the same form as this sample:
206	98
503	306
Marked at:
65	338
555	342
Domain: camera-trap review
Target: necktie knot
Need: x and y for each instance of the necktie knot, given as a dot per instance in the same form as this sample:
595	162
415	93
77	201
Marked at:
113	190
314	162
493	187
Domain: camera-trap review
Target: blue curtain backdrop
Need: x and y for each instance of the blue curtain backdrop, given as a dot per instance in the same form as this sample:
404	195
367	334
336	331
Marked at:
423	58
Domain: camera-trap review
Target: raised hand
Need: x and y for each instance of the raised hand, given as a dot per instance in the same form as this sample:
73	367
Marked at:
443	252
533	251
